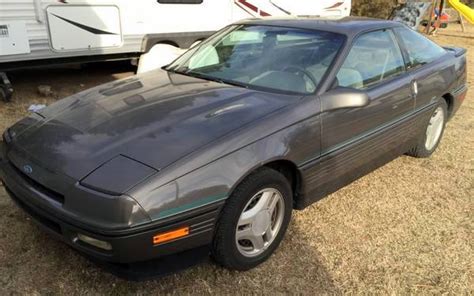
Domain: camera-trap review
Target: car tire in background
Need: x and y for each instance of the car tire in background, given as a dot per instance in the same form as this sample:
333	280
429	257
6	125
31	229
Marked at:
253	221
431	137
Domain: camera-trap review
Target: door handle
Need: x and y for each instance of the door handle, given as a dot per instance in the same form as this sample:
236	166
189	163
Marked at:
414	88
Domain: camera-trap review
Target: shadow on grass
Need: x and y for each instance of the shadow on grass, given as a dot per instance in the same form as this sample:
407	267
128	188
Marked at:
295	268
64	80
32	261
68	72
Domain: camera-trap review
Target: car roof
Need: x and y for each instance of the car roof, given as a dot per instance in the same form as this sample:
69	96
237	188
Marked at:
344	25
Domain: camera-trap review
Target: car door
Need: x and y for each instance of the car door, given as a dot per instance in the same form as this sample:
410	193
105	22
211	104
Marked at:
356	140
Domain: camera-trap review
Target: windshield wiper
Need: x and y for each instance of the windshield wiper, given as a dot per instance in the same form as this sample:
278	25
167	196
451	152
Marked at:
210	78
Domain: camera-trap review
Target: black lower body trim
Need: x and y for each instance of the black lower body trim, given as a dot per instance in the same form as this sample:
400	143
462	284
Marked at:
137	244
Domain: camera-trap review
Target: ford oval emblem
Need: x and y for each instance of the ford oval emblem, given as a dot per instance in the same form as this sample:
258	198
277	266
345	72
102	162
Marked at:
27	169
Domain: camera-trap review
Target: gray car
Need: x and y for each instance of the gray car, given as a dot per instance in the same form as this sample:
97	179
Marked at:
219	147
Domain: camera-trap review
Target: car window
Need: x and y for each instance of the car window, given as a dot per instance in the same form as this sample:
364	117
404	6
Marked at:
420	50
263	57
374	57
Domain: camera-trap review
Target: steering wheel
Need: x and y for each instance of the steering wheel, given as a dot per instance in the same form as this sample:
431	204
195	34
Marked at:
298	69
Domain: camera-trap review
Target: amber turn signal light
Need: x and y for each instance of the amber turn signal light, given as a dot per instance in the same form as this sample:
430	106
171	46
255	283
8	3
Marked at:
170	235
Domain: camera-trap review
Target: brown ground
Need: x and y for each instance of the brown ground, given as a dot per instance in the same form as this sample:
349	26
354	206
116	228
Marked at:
405	228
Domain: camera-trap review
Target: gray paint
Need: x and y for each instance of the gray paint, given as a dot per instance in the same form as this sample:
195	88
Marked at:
343	98
185	143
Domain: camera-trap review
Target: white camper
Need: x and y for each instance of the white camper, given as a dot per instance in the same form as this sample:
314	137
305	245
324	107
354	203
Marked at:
45	32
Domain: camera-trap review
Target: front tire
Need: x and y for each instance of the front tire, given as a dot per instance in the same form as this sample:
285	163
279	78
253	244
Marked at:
434	130
253	221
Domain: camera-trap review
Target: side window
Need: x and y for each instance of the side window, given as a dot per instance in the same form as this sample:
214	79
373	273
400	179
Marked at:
420	50
374	57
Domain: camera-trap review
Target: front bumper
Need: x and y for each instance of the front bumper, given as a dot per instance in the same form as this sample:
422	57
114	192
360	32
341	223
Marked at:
129	245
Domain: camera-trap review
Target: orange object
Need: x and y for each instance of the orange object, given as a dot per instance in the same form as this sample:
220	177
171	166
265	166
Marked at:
167	236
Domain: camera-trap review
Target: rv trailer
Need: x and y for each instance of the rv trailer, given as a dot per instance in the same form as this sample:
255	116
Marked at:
47	32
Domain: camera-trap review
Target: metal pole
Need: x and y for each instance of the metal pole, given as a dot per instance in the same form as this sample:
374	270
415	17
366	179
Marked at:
428	27
461	21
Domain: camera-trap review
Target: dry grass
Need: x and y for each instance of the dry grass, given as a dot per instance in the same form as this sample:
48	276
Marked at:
407	228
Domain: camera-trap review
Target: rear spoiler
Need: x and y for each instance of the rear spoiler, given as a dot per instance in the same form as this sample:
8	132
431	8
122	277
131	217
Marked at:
458	51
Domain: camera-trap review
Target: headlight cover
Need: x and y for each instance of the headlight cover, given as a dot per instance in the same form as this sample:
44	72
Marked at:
117	176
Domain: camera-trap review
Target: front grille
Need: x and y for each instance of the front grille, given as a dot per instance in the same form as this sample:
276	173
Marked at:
56	196
38	217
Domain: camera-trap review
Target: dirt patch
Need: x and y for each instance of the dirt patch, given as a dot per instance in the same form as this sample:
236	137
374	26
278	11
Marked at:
405	228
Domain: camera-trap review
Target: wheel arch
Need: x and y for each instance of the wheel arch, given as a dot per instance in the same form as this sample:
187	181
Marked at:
449	98
167	42
180	40
197	41
287	168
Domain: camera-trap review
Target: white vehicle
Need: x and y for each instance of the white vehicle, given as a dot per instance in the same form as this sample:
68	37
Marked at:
45	32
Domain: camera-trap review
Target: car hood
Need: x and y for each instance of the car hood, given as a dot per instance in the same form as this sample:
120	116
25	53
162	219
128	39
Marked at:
155	119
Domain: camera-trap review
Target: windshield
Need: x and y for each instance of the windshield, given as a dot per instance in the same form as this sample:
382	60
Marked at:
263	57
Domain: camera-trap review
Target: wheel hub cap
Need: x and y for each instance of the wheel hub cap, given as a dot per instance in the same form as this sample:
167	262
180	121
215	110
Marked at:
434	129
260	222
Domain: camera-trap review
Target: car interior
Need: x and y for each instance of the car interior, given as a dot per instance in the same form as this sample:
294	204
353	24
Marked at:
287	68
296	62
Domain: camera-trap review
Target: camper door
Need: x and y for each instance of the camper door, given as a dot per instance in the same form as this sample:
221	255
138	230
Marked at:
84	27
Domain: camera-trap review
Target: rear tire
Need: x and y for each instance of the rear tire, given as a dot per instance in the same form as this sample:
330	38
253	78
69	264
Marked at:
431	137
253	221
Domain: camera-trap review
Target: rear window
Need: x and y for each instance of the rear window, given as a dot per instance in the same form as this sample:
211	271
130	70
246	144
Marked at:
420	49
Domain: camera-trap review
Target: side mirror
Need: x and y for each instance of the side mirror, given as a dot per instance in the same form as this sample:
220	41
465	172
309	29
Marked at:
342	98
